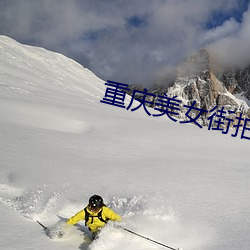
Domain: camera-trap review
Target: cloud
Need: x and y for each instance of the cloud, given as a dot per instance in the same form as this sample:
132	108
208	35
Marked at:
228	28
232	50
127	41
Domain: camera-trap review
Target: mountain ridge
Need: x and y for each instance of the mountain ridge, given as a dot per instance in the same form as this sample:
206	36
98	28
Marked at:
197	80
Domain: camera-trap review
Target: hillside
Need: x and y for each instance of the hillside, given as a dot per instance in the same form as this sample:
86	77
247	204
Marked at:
175	183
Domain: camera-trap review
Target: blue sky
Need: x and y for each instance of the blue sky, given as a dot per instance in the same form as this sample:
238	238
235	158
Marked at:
131	41
218	17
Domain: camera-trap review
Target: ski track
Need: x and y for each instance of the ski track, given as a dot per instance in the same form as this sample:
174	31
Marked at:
145	214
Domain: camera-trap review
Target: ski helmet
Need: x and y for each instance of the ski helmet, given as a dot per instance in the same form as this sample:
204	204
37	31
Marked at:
95	202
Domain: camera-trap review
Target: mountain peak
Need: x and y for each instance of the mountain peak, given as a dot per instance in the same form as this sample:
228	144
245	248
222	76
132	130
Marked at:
198	63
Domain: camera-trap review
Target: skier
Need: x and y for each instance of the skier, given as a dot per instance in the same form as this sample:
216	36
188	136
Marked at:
95	214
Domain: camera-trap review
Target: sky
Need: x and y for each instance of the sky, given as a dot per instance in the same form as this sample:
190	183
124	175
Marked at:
132	41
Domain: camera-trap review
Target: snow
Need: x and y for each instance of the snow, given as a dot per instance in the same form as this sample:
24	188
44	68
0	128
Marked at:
241	101
174	183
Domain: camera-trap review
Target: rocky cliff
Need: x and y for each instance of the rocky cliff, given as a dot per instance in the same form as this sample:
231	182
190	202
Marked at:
237	81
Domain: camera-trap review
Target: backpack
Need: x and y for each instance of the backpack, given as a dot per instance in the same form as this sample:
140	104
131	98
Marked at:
88	216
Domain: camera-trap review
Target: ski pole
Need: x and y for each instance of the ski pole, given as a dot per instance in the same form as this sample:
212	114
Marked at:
45	228
146	238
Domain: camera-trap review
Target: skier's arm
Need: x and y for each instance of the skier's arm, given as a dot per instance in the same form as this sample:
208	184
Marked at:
77	217
110	214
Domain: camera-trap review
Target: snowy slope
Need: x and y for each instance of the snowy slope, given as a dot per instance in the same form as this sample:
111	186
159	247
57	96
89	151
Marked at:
175	183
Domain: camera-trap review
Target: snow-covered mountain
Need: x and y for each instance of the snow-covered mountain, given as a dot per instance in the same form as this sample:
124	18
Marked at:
237	81
174	183
198	80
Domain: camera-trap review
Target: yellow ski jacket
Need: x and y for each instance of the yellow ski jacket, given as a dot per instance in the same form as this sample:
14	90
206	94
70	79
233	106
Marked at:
94	223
